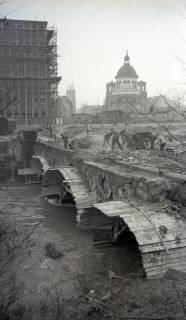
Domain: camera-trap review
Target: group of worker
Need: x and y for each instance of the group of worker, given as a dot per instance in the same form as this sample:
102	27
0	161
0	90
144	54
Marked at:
113	139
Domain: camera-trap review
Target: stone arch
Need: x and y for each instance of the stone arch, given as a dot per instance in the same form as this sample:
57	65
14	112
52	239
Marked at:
65	183
161	237
55	187
53	176
39	163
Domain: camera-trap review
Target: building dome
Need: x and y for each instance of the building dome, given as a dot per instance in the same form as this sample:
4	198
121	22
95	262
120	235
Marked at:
126	71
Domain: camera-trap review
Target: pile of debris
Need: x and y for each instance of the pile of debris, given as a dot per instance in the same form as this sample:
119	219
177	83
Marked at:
170	209
178	194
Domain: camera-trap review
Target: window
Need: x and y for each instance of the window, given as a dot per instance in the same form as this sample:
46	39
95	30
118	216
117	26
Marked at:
42	93
119	85
19	26
35	94
20	70
13	37
128	84
35	69
134	84
26	25
42	39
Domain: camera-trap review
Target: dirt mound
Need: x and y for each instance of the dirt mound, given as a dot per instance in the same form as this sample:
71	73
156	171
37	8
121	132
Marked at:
178	194
82	143
52	251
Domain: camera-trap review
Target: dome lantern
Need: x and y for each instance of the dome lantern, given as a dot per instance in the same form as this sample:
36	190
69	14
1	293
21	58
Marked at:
127	58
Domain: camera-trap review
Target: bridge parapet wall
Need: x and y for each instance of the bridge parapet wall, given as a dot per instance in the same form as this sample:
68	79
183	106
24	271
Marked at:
115	183
109	182
55	156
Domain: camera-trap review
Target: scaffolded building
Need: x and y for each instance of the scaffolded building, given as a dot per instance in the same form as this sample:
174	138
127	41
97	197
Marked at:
28	71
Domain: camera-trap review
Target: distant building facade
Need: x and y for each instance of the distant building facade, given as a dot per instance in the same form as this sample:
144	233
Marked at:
64	111
28	70
126	92
91	108
71	95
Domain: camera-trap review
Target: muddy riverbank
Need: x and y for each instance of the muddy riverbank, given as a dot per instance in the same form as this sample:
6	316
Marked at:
80	283
44	223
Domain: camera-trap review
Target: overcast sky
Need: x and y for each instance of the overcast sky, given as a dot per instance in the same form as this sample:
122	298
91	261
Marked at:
93	36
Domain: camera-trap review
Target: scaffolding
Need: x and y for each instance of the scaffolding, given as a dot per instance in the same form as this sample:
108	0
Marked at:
28	70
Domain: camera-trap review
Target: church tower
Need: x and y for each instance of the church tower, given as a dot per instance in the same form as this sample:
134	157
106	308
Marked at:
71	95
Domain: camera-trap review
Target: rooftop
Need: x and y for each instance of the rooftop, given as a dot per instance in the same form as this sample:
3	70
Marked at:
126	71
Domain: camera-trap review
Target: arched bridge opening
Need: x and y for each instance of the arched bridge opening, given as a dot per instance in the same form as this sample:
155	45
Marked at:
39	164
36	170
111	233
66	186
56	186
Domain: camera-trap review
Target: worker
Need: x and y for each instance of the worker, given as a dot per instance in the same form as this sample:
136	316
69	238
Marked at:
153	139
107	140
161	142
71	145
51	132
123	134
88	129
115	141
65	140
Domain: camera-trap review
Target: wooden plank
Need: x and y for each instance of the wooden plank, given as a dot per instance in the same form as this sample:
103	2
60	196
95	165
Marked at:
139	220
151	237
159	247
148	257
160	257
162	269
28	171
163	263
114	204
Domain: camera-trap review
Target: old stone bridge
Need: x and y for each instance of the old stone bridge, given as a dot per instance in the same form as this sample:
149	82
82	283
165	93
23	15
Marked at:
128	195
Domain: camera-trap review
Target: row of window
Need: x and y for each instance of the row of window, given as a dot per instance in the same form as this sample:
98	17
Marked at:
24	37
23	114
120	85
23	25
32	70
126	84
21	51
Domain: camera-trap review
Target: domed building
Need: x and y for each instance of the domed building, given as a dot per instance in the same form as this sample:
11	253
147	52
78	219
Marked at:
126	93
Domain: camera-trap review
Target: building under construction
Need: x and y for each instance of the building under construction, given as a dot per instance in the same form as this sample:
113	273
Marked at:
28	71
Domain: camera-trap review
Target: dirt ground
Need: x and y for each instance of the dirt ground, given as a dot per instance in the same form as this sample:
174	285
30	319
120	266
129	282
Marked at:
169	161
81	284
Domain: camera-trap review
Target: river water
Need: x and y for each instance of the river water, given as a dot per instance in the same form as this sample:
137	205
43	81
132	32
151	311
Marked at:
44	222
